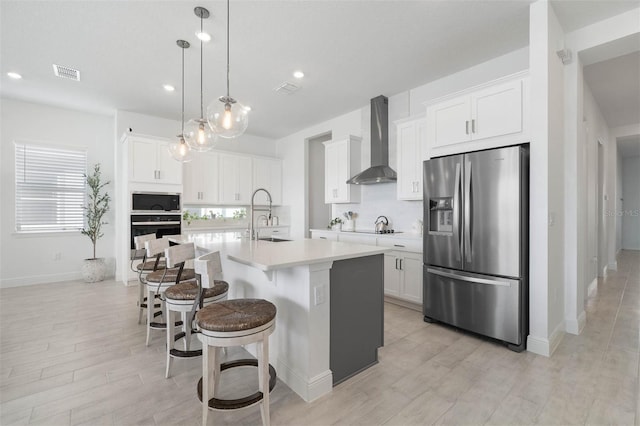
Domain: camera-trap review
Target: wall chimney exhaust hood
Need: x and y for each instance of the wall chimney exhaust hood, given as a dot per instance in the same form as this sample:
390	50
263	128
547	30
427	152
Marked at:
379	172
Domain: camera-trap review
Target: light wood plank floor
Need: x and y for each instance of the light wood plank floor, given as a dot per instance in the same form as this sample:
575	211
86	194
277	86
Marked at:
72	353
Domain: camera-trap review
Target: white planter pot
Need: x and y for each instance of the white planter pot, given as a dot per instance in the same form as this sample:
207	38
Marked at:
93	270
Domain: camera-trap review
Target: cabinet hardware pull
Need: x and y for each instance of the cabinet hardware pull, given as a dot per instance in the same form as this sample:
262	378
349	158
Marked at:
398	245
473	125
466	127
323	238
397	263
400	263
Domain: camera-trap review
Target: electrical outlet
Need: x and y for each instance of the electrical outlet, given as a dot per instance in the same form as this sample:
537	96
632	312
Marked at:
318	295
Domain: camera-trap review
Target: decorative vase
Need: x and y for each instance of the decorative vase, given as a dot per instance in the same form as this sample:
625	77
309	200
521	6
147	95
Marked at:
93	270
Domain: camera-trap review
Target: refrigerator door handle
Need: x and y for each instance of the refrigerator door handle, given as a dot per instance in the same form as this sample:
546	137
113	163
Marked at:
467	278
468	229
456	211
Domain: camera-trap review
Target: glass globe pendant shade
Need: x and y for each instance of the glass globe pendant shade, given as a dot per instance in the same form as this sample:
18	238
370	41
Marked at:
180	150
199	136
227	118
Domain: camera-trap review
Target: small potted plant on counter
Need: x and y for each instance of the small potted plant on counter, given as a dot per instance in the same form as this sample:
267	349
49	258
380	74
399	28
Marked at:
94	269
335	224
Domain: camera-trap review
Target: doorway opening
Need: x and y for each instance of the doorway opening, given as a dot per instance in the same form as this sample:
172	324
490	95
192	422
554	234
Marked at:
319	212
601	242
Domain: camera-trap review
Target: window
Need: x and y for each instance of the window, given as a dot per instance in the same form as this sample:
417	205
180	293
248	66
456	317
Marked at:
50	188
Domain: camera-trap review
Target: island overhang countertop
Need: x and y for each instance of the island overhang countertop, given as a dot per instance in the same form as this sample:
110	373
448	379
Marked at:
270	256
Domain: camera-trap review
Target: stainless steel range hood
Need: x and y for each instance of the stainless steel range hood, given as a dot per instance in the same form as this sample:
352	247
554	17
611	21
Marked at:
379	172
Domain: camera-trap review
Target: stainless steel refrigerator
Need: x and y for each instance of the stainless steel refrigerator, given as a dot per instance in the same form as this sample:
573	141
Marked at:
476	243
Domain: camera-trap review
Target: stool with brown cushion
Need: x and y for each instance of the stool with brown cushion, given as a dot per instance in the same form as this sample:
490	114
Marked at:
142	268
187	297
234	323
158	281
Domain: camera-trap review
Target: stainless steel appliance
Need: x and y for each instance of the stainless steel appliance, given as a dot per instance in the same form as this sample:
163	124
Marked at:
160	224
476	243
381	224
154	202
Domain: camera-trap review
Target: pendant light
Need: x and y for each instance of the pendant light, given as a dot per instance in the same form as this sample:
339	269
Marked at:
227	118
197	132
180	150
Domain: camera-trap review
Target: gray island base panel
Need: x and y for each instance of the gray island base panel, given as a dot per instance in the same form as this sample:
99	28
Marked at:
357	315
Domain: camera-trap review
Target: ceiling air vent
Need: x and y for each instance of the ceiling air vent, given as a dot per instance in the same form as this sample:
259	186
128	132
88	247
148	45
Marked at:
287	88
66	72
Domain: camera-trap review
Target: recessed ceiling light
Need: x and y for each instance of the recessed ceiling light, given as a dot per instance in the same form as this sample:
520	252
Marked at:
168	87
298	74
203	36
14	75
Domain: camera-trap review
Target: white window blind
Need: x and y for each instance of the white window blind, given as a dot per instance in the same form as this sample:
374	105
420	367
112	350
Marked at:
50	188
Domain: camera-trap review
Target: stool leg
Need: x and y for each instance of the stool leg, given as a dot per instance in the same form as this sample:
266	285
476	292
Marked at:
210	363
263	378
150	302
141	287
170	339
186	327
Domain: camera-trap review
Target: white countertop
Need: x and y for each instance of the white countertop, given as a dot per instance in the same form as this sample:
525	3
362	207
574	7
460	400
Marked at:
370	232
268	256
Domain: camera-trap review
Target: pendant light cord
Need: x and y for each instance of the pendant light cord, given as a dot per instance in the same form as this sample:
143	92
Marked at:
182	123
227	48
201	94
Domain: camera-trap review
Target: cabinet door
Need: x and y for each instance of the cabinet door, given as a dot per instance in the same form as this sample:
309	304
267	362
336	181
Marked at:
201	179
142	161
449	122
347	237
497	110
235	179
409	185
169	170
267	174
391	275
411	277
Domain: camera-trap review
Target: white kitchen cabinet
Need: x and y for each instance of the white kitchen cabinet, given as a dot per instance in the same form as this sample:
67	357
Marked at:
235	179
412	151
355	238
151	162
341	162
267	174
273	231
201	179
492	111
403	276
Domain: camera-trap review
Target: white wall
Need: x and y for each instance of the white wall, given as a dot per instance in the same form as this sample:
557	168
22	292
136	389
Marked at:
29	259
630	212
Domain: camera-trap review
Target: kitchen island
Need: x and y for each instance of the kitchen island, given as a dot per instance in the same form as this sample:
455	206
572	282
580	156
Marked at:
329	297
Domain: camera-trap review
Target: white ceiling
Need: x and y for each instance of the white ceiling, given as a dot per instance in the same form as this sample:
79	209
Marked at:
350	51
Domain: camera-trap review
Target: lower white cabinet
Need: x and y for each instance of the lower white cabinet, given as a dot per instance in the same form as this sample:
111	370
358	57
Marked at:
274	231
403	276
324	235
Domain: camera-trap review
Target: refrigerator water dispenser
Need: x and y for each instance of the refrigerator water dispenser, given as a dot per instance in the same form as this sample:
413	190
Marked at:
441	215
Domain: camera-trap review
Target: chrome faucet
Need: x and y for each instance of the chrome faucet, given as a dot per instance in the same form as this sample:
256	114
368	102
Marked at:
252	232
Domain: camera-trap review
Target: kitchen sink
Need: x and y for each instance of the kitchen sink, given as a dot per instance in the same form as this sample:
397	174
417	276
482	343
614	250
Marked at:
273	239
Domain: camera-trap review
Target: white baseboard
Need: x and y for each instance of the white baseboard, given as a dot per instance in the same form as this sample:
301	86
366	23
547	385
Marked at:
575	326
40	279
592	288
310	389
543	346
613	265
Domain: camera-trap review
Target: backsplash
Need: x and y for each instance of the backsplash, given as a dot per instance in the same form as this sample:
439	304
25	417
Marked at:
381	199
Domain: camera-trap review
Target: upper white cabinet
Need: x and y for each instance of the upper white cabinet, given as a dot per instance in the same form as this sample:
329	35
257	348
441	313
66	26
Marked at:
201	179
412	151
150	162
235	179
267	174
491	111
341	161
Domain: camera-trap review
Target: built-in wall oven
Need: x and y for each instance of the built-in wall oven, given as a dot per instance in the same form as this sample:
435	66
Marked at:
157	213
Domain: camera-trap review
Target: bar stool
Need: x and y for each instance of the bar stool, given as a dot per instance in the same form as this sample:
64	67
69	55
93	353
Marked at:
143	268
188	297
234	323
158	281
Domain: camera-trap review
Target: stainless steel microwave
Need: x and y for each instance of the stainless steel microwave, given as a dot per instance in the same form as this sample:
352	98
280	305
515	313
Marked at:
155	202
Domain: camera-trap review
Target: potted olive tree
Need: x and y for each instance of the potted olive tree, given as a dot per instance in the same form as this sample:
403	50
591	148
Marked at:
94	269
